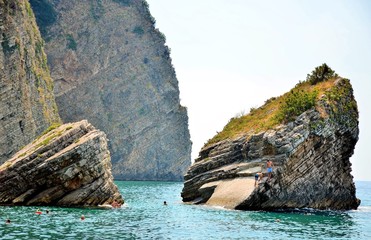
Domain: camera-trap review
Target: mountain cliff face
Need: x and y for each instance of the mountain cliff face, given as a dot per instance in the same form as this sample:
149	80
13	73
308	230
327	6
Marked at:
67	166
310	151
110	66
27	105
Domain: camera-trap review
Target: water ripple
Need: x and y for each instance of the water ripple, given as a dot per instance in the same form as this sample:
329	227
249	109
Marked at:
145	217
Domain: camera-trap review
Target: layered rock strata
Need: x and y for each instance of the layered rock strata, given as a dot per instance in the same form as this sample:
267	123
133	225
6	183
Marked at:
27	104
68	166
311	157
111	66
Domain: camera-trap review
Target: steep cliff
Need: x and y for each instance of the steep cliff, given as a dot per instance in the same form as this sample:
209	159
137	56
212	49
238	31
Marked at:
27	105
110	66
309	134
67	166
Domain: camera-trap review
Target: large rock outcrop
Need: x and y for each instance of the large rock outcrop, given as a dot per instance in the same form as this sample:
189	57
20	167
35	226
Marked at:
311	156
110	66
27	104
67	166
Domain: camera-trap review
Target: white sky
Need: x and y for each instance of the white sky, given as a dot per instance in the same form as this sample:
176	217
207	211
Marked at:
231	55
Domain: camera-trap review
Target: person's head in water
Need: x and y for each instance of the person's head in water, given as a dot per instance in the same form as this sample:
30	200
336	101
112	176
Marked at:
165	203
82	218
7	221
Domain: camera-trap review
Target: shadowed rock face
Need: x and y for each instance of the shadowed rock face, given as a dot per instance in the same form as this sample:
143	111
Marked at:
27	104
311	157
111	67
68	166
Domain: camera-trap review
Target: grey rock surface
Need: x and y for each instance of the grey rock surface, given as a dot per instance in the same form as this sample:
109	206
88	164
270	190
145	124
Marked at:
111	66
27	104
68	166
311	158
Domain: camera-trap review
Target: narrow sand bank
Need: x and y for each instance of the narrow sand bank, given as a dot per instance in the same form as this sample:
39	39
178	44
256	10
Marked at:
229	193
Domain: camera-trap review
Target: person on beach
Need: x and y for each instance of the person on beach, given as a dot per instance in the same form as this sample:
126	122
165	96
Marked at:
269	169
258	177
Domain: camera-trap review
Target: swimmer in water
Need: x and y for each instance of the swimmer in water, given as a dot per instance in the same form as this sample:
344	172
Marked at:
38	211
82	218
7	221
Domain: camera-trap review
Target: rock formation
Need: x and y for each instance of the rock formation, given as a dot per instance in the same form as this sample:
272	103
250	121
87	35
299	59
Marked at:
110	66
27	104
311	156
67	166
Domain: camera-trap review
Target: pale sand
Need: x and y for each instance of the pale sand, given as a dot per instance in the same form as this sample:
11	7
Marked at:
230	193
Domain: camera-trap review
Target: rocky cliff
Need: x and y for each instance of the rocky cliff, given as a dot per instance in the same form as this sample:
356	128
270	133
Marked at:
110	66
67	166
27	105
310	152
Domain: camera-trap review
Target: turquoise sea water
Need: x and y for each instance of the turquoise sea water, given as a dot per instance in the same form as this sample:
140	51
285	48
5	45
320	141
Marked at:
145	217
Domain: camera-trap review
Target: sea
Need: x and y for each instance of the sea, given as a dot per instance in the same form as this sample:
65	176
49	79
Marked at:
144	216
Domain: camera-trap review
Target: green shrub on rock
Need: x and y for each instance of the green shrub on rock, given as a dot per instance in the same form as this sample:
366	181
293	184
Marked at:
125	3
320	74
138	30
71	43
295	103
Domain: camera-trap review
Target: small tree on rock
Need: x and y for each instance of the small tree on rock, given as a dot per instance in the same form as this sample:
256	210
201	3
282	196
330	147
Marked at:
320	74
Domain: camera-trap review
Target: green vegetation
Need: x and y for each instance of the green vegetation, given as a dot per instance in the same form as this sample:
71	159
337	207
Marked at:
45	14
142	111
5	165
96	9
125	3
314	126
110	116
50	128
41	58
52	135
145	4
344	107
47	139
5	45
320	74
138	30
295	103
39	48
287	107
29	10
71	43
147	13
162	36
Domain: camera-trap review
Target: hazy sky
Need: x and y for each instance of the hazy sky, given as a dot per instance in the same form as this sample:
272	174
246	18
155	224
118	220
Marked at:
231	55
